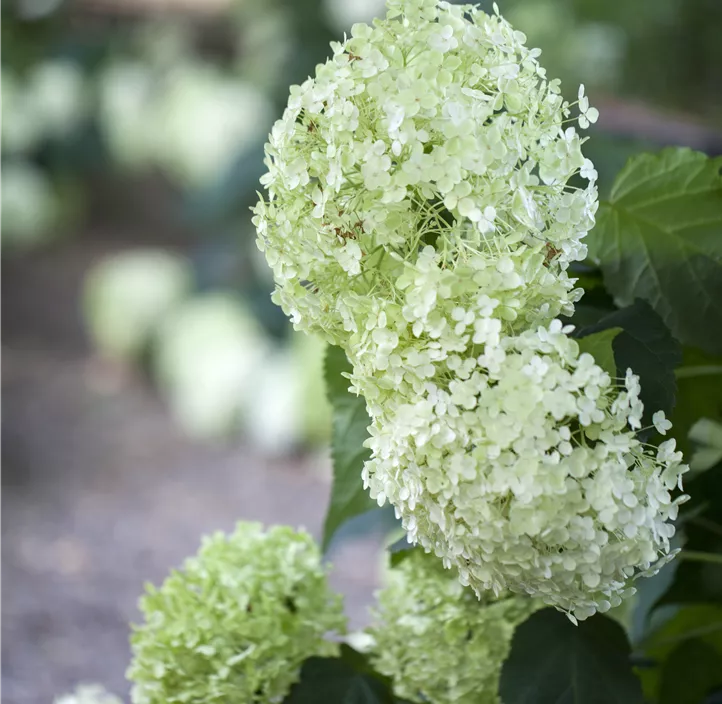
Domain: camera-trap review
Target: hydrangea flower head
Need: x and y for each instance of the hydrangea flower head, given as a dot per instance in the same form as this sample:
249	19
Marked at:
430	149
237	622
436	641
421	215
523	471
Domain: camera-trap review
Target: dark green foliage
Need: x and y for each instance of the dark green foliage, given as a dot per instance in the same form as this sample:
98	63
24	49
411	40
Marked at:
699	394
350	423
658	238
691	672
345	680
646	346
599	345
684	657
552	661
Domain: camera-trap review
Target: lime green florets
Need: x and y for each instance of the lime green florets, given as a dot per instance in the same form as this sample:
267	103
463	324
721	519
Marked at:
234	626
434	638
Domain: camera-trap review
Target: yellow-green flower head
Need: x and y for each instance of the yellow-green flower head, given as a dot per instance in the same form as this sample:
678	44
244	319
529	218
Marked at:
420	214
236	623
523	471
426	162
436	641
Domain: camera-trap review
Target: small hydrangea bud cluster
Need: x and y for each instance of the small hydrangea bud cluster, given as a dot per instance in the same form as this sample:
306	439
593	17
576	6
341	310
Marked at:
236	624
435	640
420	215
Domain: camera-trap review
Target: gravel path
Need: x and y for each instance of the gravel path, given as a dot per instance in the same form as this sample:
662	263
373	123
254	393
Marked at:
102	493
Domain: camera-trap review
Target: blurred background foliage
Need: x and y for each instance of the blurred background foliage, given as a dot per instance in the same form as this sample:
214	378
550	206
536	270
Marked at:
112	108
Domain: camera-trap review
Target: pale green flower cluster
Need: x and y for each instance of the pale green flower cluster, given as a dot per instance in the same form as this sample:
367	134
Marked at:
420	215
435	127
436	641
237	622
521	471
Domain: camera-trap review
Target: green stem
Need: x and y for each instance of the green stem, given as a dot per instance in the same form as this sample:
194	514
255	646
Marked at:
705	523
697	556
701	370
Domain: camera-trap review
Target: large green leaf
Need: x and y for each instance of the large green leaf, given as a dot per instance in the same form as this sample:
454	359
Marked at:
671	641
647	347
691	672
599	345
348	679
338	681
350	430
700	581
553	661
659	237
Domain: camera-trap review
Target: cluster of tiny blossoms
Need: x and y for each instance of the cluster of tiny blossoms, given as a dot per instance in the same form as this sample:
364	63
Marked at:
435	127
420	215
522	471
237	622
435	640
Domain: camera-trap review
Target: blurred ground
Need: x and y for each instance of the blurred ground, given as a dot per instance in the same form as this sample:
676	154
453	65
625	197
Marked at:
101	492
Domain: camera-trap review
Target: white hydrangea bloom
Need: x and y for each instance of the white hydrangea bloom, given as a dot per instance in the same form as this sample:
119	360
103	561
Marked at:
521	471
427	160
419	215
435	641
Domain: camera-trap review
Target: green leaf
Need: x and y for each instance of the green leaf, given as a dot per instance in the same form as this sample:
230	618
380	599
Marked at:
599	345
350	430
699	621
702	624
341	681
553	661
400	550
659	238
647	347
690	673
700	582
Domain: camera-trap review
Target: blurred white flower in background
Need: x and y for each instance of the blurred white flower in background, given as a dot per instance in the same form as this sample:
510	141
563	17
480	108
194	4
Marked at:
125	95
192	122
272	413
29	204
34	9
342	14
707	435
49	103
597	52
21	127
287	404
207	355
89	694
592	52
206	121
265	42
58	95
218	370
127	295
